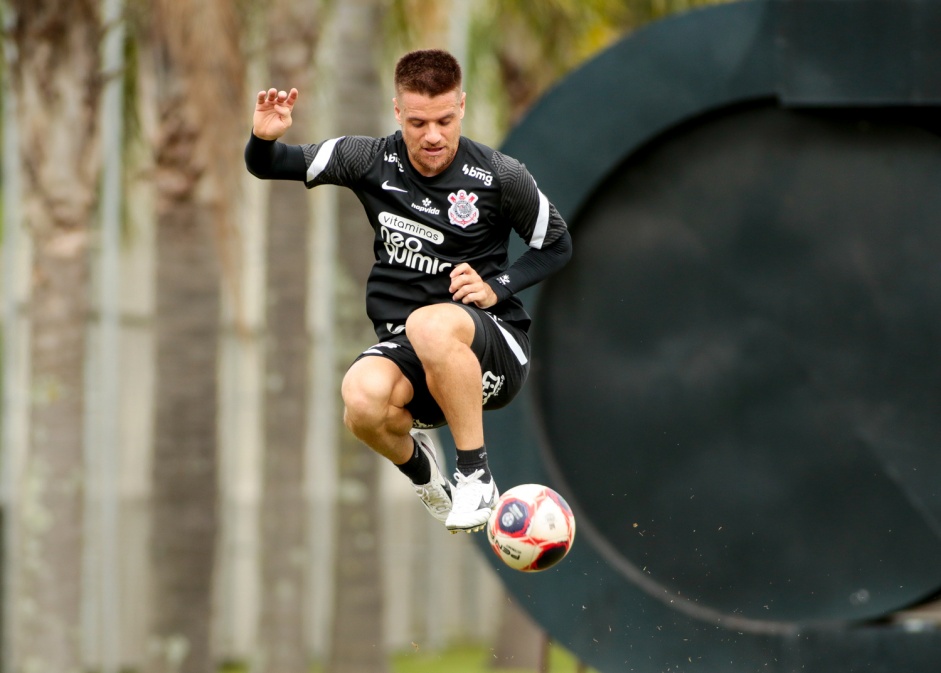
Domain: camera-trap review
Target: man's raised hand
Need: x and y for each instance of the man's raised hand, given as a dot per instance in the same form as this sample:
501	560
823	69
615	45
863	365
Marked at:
273	113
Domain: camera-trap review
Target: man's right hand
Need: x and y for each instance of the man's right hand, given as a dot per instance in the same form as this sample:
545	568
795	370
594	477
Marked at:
273	113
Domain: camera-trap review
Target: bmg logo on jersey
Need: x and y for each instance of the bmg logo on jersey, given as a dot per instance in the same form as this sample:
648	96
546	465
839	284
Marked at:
393	158
476	172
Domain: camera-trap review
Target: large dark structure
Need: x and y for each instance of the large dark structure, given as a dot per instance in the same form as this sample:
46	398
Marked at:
737	380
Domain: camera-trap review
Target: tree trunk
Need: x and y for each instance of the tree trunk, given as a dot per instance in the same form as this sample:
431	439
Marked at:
184	505
357	644
292	38
200	75
138	370
55	77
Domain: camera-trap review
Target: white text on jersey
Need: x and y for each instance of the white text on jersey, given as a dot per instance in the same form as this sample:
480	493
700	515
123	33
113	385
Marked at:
407	250
426	207
475	172
393	158
411	227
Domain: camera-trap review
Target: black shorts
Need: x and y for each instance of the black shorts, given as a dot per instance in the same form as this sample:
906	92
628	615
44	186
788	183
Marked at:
503	352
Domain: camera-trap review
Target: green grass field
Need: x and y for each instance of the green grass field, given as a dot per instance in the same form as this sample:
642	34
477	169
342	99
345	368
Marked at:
463	659
477	659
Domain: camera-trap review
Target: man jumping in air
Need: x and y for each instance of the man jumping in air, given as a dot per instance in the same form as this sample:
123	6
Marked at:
441	295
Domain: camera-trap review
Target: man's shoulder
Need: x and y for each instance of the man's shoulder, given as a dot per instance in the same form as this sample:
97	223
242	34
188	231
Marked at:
502	166
506	168
359	154
360	143
477	150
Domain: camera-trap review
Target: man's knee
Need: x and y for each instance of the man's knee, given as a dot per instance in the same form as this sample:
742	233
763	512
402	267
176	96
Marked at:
438	328
365	398
370	388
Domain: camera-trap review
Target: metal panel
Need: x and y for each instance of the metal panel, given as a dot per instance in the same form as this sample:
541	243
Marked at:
858	52
698	605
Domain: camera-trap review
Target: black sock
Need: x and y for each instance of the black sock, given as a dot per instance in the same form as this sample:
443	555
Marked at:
469	462
418	467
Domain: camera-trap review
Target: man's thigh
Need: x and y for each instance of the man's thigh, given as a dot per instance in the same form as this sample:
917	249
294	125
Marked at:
379	379
399	354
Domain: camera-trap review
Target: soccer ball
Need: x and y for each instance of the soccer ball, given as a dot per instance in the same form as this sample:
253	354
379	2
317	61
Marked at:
531	528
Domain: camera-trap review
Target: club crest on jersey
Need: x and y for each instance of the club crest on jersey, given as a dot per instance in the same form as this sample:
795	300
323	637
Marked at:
463	211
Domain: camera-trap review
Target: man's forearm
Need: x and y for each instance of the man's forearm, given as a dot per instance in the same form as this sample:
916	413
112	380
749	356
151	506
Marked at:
532	267
273	160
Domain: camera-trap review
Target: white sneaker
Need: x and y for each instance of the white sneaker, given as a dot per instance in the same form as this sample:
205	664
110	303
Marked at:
436	494
473	502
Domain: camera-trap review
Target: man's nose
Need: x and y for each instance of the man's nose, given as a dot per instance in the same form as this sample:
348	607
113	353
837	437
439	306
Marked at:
433	134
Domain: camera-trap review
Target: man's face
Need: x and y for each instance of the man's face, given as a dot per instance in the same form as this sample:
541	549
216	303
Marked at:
431	127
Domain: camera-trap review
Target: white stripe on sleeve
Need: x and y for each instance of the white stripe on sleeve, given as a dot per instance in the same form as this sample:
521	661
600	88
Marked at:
324	152
542	223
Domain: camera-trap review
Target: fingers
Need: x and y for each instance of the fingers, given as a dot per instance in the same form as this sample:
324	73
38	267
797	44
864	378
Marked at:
274	97
462	278
269	96
468	287
480	294
461	269
272	116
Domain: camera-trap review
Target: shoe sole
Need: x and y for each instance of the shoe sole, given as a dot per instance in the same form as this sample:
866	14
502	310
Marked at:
472	528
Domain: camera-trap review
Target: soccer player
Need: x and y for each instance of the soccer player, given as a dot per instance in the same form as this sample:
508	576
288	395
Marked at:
441	295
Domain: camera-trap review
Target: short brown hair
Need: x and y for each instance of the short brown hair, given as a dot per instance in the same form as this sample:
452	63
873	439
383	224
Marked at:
430	72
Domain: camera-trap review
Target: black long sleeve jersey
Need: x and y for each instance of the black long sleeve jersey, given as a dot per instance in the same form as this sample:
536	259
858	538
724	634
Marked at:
424	227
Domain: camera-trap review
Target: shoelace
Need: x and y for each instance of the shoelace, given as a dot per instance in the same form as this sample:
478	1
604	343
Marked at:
468	498
461	479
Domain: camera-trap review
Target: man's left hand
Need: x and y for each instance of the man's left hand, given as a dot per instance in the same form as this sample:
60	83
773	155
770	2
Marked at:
468	287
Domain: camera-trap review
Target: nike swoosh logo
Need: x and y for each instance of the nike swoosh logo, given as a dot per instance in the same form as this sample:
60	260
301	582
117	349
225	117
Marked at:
389	188
488	504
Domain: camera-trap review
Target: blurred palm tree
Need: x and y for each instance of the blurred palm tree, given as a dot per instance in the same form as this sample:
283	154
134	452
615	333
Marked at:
200	71
56	79
522	49
516	50
293	31
540	47
357	641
